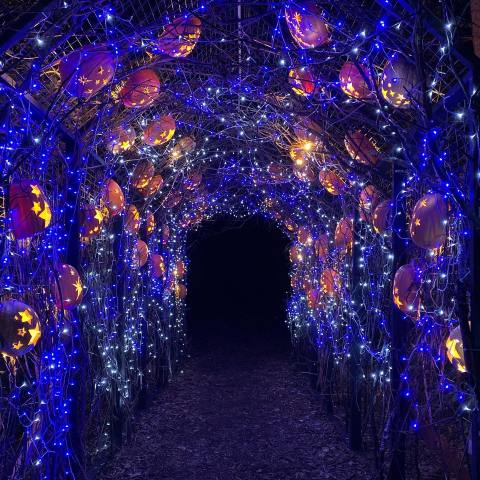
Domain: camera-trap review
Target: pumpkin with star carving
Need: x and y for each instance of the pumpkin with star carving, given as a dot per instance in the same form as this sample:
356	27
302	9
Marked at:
143	173
91	220
356	81
302	81
159	131
67	286
112	197
180	37
406	289
140	89
120	139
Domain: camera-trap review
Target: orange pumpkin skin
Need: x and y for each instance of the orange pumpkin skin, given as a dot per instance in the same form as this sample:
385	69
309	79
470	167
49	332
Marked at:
69	289
344	235
154	185
29	209
150	223
428	225
180	291
193	181
330	282
180	37
296	254
86	71
158	265
321	246
353	83
141	89
91	220
140	254
19	328
159	131
132	220
382	217
305	23
121	139
361	148
302	81
331	181
112	197
179	269
143	173
399	83
406	290
304	236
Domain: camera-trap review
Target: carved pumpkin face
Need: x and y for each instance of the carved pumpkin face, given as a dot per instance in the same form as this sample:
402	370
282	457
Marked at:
132	220
399	82
154	185
112	197
19	328
29	209
140	89
158	265
361	148
304	20
180	37
331	181
330	282
121	139
382	217
428	225
142	174
344	235
91	220
140	254
406	290
454	346
355	81
67	287
150	223
179	269
86	71
302	81
159	131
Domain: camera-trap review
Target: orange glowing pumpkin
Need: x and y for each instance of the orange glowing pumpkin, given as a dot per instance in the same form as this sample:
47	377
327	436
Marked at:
369	199
150	223
400	86
140	89
154	185
302	81
91	220
321	246
67	287
304	236
313	298
193	181
132	220
296	254
142	174
455	353
343	240
330	282
361	148
158	265
356	81
112	197
278	172
159	131
140	254
331	181
180	291
121	139
304	173
183	147
382	217
180	37
406	290
179	269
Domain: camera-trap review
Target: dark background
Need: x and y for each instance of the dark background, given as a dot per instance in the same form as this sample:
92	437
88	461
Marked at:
237	284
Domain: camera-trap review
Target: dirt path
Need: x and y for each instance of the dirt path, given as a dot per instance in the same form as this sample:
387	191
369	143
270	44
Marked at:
237	414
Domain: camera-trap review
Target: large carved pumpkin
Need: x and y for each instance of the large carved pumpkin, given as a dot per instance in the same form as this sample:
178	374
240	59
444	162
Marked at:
158	265
344	235
306	25
455	353
330	282
368	200
67	287
355	81
121	139
142	174
86	71
361	148
399	82
321	246
180	37
112	197
302	81
154	185
428	225
331	181
19	328
140	89
29	209
140	254
91	220
159	131
132	220
406	290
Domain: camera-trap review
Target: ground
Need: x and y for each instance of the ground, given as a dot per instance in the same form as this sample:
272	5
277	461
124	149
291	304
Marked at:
238	413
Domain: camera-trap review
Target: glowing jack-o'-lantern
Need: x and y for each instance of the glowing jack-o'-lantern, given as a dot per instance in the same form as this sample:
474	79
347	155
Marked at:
406	290
455	354
344	235
290	225
91	220
321	246
304	236
180	291
382	217
331	181
150	223
368	200
112	197
180	37
330	282
19	328
399	82
183	147
428	225
67	287
29	209
158	265
159	131
361	148
154	185
140	254
142	174
307	131
305	23
140	89
193	181
302	81
121	139
356	81
86	71
132	220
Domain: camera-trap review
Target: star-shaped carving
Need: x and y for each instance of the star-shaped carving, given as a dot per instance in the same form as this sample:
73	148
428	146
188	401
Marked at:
35	334
36	209
26	316
78	287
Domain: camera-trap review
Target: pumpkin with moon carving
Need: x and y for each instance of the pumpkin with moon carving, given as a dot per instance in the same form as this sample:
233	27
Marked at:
356	81
302	81
112	197
67	287
406	290
121	139
382	217
29	209
159	131
150	223
91	220
140	89
180	37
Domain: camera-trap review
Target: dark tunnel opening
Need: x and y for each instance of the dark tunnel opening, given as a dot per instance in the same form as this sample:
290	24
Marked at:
237	285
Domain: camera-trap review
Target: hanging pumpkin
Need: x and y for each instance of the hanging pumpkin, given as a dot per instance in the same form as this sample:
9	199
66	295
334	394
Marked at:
331	181
180	37
330	282
19	328
132	220
29	209
172	200
140	254
140	89
368	200
158	265
302	81
290	225
159	131
112	197
301	151
180	291
321	246
428	225
121	139
361	148
91	220
142	174
382	217
67	287
406	290
154	185
306	25
399	82
86	71
150	223
455	354
356	81
193	181
179	269
344	235
183	147
304	236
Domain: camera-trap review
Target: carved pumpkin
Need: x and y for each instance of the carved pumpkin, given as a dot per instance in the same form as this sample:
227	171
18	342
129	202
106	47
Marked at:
132	220
356	81
150	223
159	131
193	181
331	181
399	82
91	220
180	37
330	282
304	236
67	287
121	139
143	173
180	291
361	148
140	89
321	246
344	235
290	225
112	197
86	71
179	269
154	185
302	81
428	225
29	209
368	201
455	354
382	217
158	265
301	151
19	328
296	254
183	147
406	290
305	23
140	254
